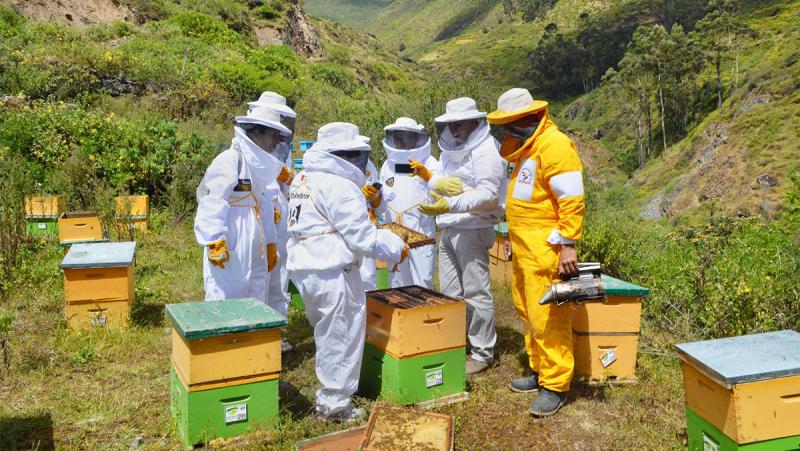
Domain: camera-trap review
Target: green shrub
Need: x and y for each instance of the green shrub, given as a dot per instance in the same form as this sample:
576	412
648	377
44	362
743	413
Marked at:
267	12
206	28
335	75
10	21
278	59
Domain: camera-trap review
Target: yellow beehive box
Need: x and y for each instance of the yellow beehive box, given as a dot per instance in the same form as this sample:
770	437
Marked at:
225	340
748	387
133	206
44	206
413	320
618	314
79	227
97	315
605	358
98	280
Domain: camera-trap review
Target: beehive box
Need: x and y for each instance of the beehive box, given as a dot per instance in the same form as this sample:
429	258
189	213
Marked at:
748	387
501	249
412	380
703	436
501	272
226	340
392	428
606	334
413	320
223	410
79	228
98	284
42	226
44	206
347	440
132	212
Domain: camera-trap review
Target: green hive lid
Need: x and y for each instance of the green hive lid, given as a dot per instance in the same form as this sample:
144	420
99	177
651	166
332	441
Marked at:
501	229
194	320
616	287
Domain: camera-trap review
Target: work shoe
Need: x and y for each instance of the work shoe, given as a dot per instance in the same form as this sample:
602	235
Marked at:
476	366
349	415
528	384
547	403
286	347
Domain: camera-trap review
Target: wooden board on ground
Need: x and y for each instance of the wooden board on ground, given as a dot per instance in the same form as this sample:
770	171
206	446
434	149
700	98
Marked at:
413	238
399	428
443	401
347	440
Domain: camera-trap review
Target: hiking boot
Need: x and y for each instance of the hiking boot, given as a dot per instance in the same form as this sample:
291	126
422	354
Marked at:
476	366
547	403
286	347
349	415
528	384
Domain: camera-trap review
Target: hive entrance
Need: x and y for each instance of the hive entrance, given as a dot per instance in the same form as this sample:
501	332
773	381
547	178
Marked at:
411	297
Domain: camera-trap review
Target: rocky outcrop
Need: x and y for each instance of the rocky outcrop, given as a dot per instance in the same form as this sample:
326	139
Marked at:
300	35
80	13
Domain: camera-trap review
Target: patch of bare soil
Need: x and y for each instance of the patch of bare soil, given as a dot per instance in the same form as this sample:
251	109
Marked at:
80	13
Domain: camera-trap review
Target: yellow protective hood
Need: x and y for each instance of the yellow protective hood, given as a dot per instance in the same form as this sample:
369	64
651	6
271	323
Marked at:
526	150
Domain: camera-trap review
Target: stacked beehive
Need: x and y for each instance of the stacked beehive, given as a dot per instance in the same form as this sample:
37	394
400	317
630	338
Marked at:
99	284
743	393
225	365
132	212
500	270
81	227
415	346
606	334
41	214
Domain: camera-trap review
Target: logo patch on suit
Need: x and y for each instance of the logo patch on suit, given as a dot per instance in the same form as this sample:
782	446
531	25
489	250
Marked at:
390	181
243	185
523	188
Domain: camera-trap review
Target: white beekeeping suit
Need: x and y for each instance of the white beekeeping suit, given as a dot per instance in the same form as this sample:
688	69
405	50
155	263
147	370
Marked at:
330	232
467	216
278	292
407	142
234	218
368	269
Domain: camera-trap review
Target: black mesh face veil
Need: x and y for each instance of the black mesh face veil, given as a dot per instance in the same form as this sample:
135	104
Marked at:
406	139
357	158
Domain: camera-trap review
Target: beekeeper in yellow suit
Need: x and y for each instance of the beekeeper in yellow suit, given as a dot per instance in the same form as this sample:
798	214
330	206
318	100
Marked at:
544	208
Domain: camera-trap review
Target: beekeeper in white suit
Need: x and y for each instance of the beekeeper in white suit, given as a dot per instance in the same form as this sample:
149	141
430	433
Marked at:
469	154
278	292
404	175
330	232
234	218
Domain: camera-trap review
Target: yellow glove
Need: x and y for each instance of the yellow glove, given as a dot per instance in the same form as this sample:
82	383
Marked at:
286	175
272	256
420	170
449	186
372	194
218	253
277	216
438	207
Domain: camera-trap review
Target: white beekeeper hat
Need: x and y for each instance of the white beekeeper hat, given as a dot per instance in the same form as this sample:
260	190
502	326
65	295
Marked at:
461	109
265	116
405	124
275	101
339	136
515	104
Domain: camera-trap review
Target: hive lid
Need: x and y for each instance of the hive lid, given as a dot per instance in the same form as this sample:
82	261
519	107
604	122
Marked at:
194	320
747	358
501	229
617	287
99	255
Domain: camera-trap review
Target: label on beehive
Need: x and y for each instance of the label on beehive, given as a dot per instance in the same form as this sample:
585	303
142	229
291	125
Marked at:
709	444
97	319
42	226
608	357
434	378
235	413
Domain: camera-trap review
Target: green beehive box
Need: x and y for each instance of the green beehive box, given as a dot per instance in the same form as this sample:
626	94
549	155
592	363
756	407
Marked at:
413	379
704	436
223	412
382	279
42	226
297	300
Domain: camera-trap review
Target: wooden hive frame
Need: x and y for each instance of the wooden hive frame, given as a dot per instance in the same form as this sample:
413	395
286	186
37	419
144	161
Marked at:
411	237
379	410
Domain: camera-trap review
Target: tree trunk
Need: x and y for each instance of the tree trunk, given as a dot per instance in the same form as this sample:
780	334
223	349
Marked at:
718	63
663	128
